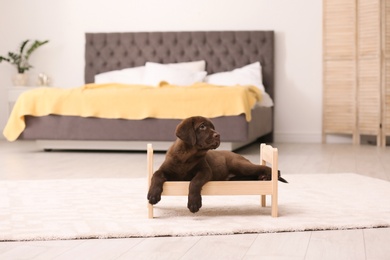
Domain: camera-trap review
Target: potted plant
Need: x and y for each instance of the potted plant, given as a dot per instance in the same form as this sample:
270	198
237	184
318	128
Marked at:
20	60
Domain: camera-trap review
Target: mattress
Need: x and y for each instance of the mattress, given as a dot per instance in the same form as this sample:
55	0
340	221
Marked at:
53	127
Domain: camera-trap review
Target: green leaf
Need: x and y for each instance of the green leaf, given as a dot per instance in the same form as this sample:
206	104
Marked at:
34	46
5	59
14	58
22	47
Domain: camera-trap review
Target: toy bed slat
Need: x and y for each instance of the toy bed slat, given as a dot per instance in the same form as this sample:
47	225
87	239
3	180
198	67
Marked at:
180	188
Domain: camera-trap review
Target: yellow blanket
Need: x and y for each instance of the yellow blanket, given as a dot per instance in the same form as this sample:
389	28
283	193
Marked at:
132	102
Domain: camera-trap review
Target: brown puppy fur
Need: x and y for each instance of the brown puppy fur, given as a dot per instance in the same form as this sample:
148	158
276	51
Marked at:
191	158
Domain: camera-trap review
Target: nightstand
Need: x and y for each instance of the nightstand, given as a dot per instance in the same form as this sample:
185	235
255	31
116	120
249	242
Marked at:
13	93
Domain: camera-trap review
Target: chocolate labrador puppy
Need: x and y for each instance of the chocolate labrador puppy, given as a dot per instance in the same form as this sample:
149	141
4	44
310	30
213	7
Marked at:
191	158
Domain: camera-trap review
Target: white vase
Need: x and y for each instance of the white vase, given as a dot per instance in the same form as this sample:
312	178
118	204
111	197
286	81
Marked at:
20	79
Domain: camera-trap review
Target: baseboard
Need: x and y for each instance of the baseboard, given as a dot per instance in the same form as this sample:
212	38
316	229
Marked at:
297	137
311	138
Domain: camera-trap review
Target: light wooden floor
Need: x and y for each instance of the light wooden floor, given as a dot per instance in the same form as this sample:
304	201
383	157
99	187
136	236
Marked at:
22	160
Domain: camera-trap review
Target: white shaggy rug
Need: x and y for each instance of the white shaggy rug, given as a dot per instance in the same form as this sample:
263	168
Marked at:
115	208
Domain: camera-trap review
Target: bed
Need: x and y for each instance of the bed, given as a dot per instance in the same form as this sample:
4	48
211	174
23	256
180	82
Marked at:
222	51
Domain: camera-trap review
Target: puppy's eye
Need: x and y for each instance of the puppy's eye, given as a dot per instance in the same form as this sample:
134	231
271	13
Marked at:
202	127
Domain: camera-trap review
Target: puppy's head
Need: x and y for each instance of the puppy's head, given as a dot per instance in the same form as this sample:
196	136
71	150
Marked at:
198	132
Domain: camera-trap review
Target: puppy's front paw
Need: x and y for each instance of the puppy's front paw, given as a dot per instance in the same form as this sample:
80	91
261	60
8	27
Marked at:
154	196
194	203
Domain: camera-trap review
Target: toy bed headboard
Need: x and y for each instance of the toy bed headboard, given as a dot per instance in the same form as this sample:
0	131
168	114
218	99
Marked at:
222	51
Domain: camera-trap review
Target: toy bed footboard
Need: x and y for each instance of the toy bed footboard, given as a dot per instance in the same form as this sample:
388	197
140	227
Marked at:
268	155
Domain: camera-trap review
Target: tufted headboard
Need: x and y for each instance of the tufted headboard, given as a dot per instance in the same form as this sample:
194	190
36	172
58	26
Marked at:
222	51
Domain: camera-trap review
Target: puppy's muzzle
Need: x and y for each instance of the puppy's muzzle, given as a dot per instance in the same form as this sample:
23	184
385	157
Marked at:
216	140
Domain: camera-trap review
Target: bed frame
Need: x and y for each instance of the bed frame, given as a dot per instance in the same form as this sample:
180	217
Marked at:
222	51
268	156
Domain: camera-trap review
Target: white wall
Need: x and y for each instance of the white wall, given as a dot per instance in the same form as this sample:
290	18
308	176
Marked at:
297	25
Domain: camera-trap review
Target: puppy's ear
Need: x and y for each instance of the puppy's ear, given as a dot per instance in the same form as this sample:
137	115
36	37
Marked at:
186	132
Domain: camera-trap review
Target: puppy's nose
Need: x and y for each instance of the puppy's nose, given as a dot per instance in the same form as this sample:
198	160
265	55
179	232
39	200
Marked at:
216	135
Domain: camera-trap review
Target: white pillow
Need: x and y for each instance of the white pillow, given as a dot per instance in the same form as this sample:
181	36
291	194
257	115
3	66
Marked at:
171	73
135	75
193	66
247	75
125	76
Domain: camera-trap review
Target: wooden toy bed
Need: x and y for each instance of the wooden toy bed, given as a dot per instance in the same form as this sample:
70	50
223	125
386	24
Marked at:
222	51
268	156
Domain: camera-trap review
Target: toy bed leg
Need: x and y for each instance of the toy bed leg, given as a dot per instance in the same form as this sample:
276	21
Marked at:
269	155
